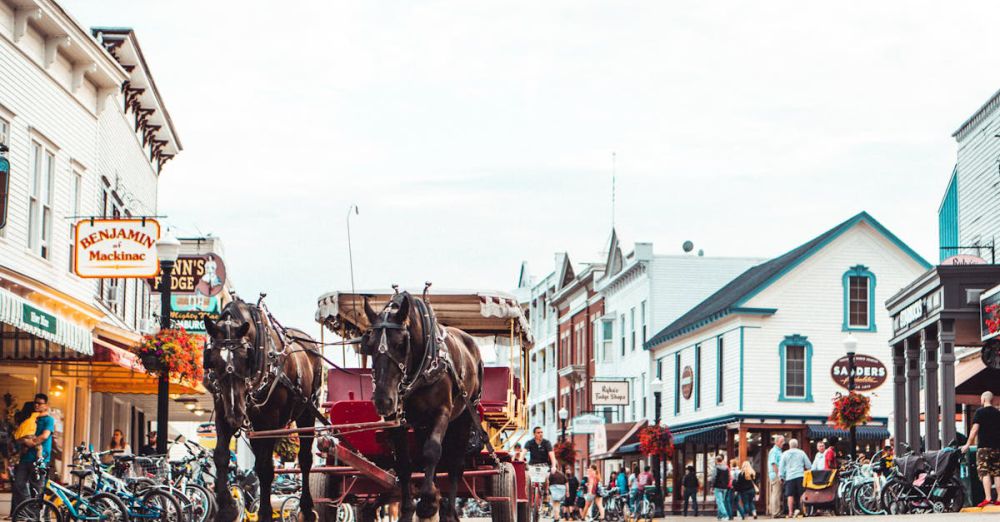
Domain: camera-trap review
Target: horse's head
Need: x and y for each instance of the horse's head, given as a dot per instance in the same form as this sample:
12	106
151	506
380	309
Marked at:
228	365
388	343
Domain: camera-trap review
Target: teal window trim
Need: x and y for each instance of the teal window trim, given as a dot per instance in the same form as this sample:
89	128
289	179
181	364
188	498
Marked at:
677	384
720	369
859	271
796	340
741	367
697	377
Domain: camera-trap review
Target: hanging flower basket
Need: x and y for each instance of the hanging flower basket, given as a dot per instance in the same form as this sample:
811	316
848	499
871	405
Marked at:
173	351
851	410
656	441
565	452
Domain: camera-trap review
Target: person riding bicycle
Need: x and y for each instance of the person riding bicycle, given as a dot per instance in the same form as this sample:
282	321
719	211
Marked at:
540	453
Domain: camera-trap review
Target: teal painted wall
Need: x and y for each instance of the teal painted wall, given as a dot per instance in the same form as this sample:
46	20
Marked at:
948	218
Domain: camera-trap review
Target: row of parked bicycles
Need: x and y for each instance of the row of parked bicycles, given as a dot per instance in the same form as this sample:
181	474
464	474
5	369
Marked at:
116	487
912	482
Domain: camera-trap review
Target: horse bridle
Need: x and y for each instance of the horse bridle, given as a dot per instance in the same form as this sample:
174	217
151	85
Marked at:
226	347
384	324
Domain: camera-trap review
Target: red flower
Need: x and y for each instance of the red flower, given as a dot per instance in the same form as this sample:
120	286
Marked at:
656	440
176	351
565	452
850	410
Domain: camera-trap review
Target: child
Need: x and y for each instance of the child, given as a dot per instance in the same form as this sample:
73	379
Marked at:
27	422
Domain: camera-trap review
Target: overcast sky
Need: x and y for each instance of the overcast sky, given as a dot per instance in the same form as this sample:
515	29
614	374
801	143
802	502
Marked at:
474	135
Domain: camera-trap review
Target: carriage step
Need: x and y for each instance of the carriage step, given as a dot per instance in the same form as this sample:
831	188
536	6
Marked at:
364	466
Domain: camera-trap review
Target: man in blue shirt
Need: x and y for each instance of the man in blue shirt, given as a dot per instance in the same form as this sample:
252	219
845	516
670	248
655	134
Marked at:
773	480
792	468
24	472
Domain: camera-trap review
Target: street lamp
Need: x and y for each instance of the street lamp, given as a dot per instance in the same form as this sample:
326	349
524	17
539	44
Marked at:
851	347
563	417
167	250
657	386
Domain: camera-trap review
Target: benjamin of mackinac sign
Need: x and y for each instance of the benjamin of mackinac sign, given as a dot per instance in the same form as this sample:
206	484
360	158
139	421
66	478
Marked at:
120	248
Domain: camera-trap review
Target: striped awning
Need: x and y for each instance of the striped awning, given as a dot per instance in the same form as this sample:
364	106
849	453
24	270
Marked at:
867	432
32	318
709	435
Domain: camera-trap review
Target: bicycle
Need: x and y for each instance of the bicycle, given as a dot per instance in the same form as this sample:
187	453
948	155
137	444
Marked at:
646	506
54	502
153	504
614	505
538	475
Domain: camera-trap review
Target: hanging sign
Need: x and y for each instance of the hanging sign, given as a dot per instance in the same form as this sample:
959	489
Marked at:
38	318
587	424
189	311
989	313
118	248
869	373
200	275
609	393
687	382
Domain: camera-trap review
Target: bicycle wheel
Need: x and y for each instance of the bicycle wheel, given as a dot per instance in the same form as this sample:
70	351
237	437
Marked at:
289	509
157	504
240	499
866	501
36	510
894	498
108	507
201	502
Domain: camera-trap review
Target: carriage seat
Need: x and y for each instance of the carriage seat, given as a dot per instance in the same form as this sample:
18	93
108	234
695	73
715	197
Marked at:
496	384
349	384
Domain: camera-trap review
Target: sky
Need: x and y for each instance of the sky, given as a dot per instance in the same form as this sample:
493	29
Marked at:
474	135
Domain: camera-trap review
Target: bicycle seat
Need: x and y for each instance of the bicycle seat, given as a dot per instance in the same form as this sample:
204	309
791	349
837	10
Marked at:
124	458
81	473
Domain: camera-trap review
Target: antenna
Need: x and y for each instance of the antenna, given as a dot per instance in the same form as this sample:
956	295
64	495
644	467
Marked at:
614	172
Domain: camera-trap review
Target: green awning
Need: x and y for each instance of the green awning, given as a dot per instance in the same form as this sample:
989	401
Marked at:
35	320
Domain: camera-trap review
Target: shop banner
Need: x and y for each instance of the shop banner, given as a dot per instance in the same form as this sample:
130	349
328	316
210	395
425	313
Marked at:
609	393
201	275
118	248
587	424
190	311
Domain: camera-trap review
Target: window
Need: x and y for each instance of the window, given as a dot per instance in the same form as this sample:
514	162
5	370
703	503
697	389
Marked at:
642	316
720	361
608	336
796	369
622	332
697	376
40	201
596	336
859	299
642	386
75	186
632	321
677	383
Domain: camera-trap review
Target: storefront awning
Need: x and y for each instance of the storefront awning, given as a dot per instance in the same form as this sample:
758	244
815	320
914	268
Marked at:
865	433
709	435
630	435
32	318
628	449
116	370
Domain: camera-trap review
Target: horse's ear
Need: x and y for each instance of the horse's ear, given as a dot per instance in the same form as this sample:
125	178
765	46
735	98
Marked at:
369	313
404	309
211	328
242	330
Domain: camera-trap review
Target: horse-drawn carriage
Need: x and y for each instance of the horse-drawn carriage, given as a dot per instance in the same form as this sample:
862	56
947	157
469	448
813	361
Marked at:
361	454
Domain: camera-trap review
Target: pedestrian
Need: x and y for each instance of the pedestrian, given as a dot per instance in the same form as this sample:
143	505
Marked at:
592	496
24	472
986	431
734	470
691	486
149	448
569	502
746	490
819	461
719	479
518	452
557	489
117	446
581	498
792	469
773	478
621	484
633	489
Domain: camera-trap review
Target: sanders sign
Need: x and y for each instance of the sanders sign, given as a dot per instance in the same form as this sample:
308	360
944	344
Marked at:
116	248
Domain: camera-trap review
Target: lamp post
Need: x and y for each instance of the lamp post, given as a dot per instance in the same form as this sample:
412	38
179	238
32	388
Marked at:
657	386
167	250
851	347
563	418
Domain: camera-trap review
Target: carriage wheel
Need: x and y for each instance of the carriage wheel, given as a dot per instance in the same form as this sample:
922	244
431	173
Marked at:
504	486
319	487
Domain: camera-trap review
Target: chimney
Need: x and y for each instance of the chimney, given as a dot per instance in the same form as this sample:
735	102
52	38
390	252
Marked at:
643	251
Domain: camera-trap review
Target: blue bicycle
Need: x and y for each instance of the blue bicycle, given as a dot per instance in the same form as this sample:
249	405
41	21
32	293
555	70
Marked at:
54	502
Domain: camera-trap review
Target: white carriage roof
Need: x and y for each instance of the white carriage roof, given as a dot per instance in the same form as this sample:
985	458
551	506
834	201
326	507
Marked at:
475	311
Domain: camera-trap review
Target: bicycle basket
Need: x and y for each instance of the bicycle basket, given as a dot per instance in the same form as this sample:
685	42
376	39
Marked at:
910	466
155	468
538	474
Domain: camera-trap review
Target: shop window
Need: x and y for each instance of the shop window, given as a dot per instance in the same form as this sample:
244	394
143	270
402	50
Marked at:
796	369
859	299
43	167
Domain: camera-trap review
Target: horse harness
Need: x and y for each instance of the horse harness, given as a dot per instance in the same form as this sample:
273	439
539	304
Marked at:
435	363
266	365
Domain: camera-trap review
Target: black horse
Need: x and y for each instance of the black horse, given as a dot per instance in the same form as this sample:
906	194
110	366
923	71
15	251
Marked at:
261	377
429	378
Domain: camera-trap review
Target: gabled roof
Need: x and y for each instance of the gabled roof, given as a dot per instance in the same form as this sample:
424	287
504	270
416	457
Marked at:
730	298
566	274
615	260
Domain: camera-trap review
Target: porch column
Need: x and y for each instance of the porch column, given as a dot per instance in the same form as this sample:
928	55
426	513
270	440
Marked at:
946	338
743	443
898	395
928	338
913	392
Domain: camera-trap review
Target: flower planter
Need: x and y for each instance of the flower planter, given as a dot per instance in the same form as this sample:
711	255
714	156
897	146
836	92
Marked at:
151	363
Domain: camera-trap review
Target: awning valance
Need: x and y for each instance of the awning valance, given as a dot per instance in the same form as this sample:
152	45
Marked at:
865	433
709	435
32	318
